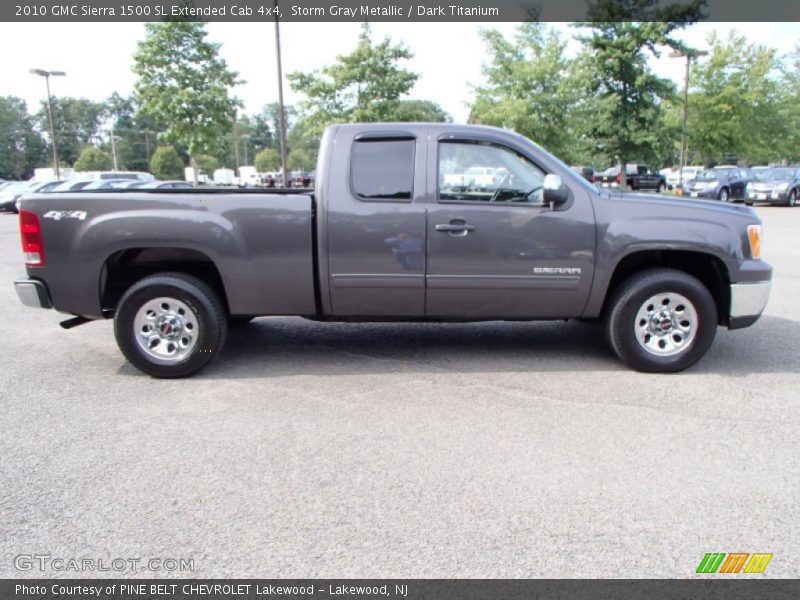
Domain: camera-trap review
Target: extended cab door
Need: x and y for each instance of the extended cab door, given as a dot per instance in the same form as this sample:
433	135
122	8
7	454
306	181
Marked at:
374	229
496	250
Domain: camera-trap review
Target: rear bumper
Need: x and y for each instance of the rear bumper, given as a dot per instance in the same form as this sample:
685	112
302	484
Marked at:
748	301
32	292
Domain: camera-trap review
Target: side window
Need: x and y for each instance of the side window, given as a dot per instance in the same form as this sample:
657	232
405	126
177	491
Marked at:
483	172
382	169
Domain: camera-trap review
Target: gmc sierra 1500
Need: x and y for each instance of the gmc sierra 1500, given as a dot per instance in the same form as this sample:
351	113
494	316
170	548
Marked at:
385	237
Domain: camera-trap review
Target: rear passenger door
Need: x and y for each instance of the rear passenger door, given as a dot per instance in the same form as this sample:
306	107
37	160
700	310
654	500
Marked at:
375	231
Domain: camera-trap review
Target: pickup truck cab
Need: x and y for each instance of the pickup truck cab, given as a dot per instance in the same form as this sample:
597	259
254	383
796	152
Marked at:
382	237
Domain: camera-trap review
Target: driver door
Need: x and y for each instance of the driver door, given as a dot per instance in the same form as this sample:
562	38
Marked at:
495	250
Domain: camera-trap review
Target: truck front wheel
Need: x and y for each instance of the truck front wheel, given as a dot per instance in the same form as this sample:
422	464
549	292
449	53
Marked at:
661	321
170	325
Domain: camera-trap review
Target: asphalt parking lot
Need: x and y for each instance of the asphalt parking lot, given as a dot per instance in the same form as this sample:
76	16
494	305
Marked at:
403	450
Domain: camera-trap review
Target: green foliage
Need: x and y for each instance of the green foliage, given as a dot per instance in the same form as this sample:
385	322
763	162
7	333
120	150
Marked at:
136	133
21	147
627	113
420	111
736	107
206	163
166	164
186	85
299	159
363	86
77	123
267	160
93	159
529	88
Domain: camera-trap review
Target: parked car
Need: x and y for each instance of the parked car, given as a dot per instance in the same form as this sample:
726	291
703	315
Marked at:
168	185
10	196
725	183
639	177
680	176
588	173
379	239
300	179
775	185
106	184
72	185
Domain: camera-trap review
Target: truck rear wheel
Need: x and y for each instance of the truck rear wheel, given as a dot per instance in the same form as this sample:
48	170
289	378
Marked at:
170	325
661	321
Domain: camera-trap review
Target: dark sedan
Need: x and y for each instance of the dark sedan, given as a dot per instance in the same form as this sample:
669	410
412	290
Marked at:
726	184
778	185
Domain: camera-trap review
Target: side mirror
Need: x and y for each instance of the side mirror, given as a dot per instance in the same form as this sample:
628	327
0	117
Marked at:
555	192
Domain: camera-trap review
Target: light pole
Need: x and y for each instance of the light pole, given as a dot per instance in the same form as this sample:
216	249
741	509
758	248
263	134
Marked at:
245	138
689	55
46	75
281	118
114	140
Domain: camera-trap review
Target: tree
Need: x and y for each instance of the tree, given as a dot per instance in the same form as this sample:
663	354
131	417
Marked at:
735	108
363	86
423	111
184	82
628	114
298	159
206	163
93	159
77	123
21	147
267	160
166	164
529	88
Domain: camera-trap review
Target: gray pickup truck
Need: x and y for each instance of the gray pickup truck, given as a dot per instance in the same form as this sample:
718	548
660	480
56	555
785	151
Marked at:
393	233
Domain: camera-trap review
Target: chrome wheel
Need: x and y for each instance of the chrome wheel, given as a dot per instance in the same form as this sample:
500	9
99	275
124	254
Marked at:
666	324
166	329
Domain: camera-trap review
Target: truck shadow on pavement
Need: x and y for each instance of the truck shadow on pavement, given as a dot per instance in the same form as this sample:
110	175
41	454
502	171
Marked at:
281	347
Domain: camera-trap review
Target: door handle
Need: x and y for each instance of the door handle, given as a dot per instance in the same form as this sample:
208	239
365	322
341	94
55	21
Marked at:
456	228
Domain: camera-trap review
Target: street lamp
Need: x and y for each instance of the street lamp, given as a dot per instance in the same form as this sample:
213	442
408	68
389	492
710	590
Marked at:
245	138
281	116
46	75
690	55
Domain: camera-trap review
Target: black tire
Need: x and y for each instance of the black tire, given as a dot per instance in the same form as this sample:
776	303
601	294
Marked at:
212	323
724	195
792	200
632	294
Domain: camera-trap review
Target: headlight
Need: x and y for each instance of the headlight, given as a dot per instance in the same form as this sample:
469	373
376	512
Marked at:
783	187
711	185
754	237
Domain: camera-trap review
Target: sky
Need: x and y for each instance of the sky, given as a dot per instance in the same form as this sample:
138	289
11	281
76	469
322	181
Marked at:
97	57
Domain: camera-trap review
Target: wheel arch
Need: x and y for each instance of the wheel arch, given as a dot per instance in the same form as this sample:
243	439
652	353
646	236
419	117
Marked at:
708	268
124	268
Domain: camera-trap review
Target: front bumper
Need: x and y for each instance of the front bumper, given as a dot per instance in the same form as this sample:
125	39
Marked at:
768	196
748	301
703	193
32	292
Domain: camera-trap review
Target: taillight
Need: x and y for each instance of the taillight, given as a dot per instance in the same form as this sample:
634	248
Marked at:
32	244
619	177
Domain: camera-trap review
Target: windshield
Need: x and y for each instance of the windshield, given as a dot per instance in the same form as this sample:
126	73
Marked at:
776	174
711	174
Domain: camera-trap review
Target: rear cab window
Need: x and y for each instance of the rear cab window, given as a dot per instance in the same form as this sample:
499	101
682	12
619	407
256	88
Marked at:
382	169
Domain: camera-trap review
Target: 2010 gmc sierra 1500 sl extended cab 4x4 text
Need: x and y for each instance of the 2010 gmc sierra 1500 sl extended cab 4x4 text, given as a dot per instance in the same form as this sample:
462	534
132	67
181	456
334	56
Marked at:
385	237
